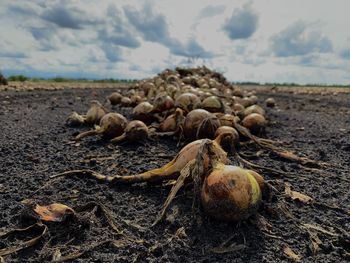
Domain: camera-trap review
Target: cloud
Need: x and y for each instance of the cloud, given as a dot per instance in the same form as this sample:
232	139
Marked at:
66	16
153	27
191	49
210	11
345	53
300	38
242	24
116	30
8	50
24	8
112	52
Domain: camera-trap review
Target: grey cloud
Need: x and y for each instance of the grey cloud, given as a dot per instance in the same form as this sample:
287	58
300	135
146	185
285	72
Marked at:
298	39
117	31
190	49
345	53
242	24
112	52
153	27
67	16
24	8
211	10
7	50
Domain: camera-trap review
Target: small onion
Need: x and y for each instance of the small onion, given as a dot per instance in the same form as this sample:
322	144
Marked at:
270	102
135	100
147	86
229	141
238	107
252	109
111	125
75	119
187	102
255	122
163	103
115	98
134	131
95	113
171	123
227	119
143	112
213	104
230	193
200	123
126	102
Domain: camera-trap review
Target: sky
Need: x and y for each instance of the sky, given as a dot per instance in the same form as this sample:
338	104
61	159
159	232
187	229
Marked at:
301	41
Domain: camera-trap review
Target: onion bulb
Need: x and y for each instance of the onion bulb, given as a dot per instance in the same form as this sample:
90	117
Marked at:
170	124
250	110
115	98
95	113
270	102
255	122
163	103
230	193
111	125
75	119
143	112
134	131
126	102
200	123
187	102
230	141
213	104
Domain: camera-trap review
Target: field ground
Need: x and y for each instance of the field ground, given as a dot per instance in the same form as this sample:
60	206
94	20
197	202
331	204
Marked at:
35	144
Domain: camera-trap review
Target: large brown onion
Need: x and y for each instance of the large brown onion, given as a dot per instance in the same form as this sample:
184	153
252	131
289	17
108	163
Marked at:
115	98
143	112
231	141
230	193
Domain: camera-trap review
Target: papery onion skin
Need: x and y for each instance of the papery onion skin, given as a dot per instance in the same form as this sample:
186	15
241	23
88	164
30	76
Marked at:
194	120
230	193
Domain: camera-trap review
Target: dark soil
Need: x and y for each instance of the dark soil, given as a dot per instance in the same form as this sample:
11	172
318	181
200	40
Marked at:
35	144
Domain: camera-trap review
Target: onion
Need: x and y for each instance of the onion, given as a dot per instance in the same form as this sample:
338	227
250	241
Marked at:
173	168
237	92
270	102
143	112
134	131
115	98
171	123
200	123
254	122
227	119
111	125
147	86
213	104
187	102
95	113
238	107
231	140
163	103
135	100
250	110
126	102
230	193
75	119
